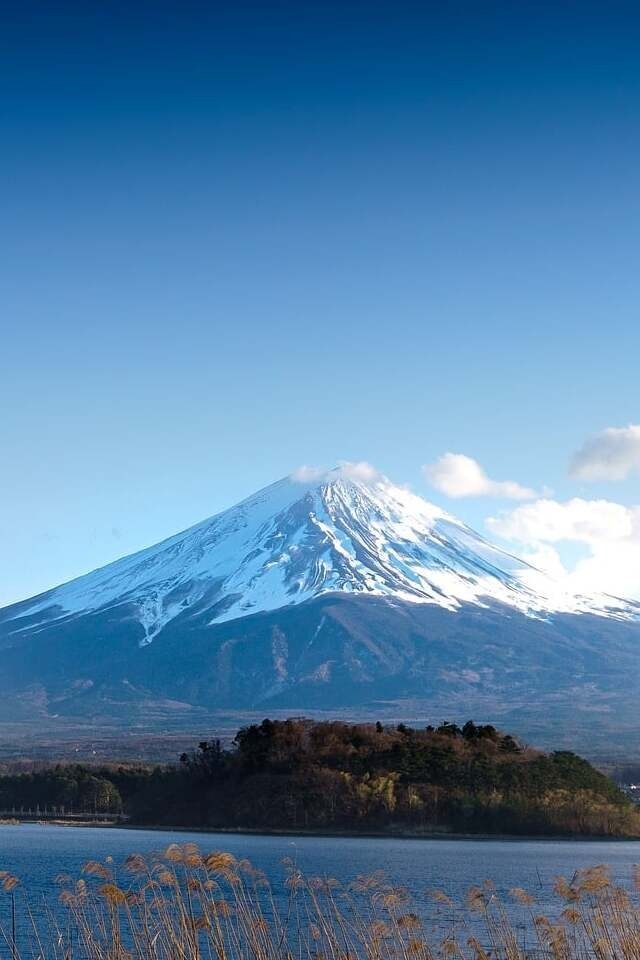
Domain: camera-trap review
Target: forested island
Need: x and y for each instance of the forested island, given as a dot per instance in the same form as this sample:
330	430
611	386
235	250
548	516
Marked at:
299	775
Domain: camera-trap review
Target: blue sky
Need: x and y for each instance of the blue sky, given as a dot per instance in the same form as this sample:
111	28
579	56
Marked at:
241	237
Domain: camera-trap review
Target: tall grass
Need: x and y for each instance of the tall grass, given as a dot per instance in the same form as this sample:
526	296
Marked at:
185	905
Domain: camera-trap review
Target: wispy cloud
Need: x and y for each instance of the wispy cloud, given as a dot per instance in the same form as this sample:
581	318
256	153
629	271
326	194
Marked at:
306	473
612	454
360	471
457	475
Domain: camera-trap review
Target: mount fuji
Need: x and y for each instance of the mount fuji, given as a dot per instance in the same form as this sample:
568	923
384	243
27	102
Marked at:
325	591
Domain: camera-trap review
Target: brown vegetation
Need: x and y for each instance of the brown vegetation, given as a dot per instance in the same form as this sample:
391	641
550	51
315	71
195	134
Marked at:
189	905
301	775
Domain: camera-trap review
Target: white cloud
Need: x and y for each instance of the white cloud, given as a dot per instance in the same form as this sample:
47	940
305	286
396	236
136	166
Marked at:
307	474
457	475
583	521
545	557
612	454
360	471
610	531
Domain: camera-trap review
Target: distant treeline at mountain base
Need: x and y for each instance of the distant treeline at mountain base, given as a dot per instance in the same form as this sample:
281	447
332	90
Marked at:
297	775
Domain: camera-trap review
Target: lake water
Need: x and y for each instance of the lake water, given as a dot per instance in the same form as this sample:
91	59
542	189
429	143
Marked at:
37	854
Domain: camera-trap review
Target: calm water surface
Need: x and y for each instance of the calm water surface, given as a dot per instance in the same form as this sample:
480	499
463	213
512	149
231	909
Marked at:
38	854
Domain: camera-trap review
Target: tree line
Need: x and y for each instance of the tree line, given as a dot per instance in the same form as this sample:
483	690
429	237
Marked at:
299	774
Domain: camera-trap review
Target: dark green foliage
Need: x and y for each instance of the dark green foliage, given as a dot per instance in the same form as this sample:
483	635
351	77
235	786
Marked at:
298	774
68	787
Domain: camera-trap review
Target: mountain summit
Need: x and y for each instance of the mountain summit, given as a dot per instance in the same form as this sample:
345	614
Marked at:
322	590
308	535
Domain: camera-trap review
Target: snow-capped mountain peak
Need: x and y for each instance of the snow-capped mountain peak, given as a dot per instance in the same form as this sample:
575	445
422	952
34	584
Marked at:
348	530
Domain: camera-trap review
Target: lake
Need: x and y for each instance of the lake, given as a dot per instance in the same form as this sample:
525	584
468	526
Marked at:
37	854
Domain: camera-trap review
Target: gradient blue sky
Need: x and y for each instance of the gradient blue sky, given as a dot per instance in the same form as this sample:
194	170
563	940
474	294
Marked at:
240	237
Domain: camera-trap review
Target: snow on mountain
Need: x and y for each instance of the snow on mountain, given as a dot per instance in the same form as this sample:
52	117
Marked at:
308	535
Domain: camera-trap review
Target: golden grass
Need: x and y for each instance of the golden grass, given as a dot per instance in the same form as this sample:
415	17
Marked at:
186	905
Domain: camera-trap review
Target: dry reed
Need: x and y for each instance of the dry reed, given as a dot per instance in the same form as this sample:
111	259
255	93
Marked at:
186	905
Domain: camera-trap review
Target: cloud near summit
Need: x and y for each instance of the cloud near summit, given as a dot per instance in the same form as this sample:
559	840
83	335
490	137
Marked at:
353	470
457	476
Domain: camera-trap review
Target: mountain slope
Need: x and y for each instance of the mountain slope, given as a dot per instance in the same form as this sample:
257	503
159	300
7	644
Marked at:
296	540
328	592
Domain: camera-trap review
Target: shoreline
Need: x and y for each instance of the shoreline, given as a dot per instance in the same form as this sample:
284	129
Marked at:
343	834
